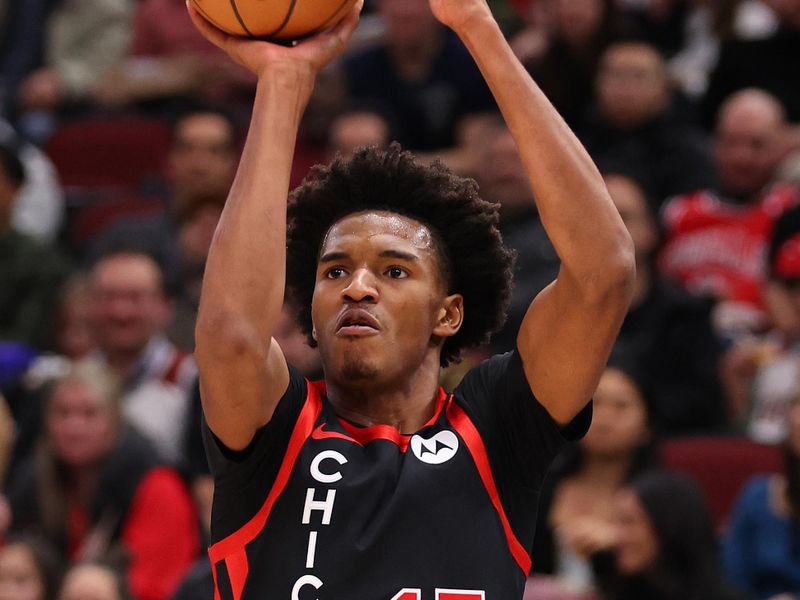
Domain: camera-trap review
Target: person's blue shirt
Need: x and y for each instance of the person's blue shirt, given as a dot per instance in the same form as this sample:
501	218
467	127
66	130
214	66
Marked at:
761	550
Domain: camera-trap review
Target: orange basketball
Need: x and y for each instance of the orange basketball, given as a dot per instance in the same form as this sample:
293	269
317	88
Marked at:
273	19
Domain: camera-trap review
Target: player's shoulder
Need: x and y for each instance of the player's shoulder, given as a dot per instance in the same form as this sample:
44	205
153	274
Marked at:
274	434
490	373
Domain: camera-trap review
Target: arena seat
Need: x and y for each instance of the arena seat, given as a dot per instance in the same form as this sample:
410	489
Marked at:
720	465
92	218
108	152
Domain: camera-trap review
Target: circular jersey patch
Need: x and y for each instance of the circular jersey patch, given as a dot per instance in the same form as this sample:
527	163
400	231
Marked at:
436	450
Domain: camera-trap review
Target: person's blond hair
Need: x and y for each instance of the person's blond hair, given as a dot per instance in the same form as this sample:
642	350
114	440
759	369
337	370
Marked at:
102	383
96	377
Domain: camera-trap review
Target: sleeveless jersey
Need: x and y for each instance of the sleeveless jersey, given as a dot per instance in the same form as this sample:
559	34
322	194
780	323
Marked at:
318	508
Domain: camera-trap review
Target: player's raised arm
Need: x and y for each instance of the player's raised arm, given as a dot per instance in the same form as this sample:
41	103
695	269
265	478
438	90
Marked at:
570	327
242	370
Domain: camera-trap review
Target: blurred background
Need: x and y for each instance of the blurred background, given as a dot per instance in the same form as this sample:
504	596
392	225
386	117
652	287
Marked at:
120	132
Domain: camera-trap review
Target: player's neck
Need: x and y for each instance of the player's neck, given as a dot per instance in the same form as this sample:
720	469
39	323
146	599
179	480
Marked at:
405	404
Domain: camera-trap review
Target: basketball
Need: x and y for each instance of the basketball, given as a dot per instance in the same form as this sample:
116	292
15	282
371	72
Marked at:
273	19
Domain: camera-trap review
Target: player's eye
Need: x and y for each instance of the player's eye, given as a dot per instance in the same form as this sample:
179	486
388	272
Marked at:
335	273
397	273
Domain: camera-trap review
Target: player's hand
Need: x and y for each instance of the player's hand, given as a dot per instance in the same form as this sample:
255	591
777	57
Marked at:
457	14
261	57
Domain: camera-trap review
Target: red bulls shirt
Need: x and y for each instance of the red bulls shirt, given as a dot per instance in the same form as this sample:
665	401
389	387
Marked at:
319	508
719	248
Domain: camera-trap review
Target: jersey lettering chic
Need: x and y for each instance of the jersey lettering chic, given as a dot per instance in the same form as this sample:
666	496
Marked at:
317	508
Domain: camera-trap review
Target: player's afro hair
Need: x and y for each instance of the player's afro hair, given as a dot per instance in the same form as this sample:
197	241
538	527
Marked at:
475	263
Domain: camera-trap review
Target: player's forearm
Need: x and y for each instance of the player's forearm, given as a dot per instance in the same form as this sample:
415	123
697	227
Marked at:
243	284
572	200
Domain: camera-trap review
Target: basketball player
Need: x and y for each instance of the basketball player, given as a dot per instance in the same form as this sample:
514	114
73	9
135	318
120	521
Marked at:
374	483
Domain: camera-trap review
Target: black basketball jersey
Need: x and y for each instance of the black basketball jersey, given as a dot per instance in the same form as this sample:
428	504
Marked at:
317	508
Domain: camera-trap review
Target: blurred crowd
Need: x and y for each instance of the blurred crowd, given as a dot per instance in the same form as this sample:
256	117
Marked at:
120	132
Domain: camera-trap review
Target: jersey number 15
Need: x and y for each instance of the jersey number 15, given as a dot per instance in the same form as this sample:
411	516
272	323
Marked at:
416	594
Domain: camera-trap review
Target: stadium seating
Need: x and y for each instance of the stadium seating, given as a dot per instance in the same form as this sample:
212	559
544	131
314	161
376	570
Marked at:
108	152
721	466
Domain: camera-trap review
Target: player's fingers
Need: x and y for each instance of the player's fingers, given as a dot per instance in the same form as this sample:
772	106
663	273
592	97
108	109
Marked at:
345	28
354	13
213	34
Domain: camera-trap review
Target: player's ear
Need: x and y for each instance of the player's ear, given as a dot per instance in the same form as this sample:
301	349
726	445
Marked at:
450	316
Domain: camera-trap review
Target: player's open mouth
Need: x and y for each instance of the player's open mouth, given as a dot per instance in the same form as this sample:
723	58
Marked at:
357	322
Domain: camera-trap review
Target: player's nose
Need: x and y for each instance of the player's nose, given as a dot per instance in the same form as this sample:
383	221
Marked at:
362	287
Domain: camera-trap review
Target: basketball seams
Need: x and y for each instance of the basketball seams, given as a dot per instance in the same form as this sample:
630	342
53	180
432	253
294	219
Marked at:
333	16
326	23
239	18
285	21
297	22
209	18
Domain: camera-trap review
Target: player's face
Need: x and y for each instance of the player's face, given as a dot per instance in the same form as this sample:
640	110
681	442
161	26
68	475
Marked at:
379	306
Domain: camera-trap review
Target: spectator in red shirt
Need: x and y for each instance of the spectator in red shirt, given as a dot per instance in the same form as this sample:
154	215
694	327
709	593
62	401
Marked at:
98	489
716	239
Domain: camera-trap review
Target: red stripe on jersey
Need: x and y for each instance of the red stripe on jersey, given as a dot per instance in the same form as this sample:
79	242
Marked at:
238	568
216	585
320	433
466	429
232	548
365	435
